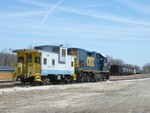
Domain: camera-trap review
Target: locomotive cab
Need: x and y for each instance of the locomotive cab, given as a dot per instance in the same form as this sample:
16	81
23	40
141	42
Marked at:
29	65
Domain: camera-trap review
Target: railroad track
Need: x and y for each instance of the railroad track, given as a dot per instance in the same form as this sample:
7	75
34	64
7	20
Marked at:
11	84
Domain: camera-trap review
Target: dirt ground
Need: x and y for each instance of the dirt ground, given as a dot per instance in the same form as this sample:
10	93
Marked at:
127	96
125	77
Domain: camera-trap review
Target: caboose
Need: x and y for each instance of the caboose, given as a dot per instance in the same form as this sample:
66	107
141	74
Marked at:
44	64
89	66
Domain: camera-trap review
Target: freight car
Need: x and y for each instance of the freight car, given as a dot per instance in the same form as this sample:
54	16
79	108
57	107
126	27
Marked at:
121	70
139	71
89	66
58	64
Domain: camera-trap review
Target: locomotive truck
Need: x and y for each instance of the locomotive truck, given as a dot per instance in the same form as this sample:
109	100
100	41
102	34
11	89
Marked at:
50	63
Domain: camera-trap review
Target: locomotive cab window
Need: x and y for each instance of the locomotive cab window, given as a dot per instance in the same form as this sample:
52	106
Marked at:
81	64
105	60
102	59
98	56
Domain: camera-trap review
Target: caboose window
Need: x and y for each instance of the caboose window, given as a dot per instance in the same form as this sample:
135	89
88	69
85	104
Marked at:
81	63
29	57
45	61
21	59
72	64
63	52
37	60
53	62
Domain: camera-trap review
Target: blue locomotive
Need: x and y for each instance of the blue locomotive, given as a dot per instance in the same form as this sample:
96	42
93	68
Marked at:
89	66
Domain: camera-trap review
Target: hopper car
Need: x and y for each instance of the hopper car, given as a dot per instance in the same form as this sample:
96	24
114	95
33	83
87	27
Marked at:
121	70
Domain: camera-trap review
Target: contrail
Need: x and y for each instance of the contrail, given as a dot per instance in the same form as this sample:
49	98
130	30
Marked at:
46	16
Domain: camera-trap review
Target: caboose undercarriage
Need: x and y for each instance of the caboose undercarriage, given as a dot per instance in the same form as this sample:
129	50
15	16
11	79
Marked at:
56	79
46	79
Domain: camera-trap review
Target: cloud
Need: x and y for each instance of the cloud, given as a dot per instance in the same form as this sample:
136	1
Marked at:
95	14
79	11
46	17
36	12
80	31
30	2
21	14
106	16
137	7
134	29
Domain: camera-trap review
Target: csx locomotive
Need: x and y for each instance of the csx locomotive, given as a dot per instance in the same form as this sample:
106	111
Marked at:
50	63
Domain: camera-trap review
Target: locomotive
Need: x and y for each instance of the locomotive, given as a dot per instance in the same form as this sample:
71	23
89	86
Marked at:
89	66
51	63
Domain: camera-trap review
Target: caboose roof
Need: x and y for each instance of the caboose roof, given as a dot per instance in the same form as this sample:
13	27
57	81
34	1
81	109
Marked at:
49	48
25	50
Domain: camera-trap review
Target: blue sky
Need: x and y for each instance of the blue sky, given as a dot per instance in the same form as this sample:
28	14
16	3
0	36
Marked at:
118	28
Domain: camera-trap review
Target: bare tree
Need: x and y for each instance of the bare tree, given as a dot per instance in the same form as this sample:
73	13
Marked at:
146	68
7	58
112	61
137	67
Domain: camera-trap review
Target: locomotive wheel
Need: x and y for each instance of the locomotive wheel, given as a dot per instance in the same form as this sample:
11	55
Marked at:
67	80
96	80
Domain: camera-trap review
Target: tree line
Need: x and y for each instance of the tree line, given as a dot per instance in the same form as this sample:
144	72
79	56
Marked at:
113	61
7	58
146	68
